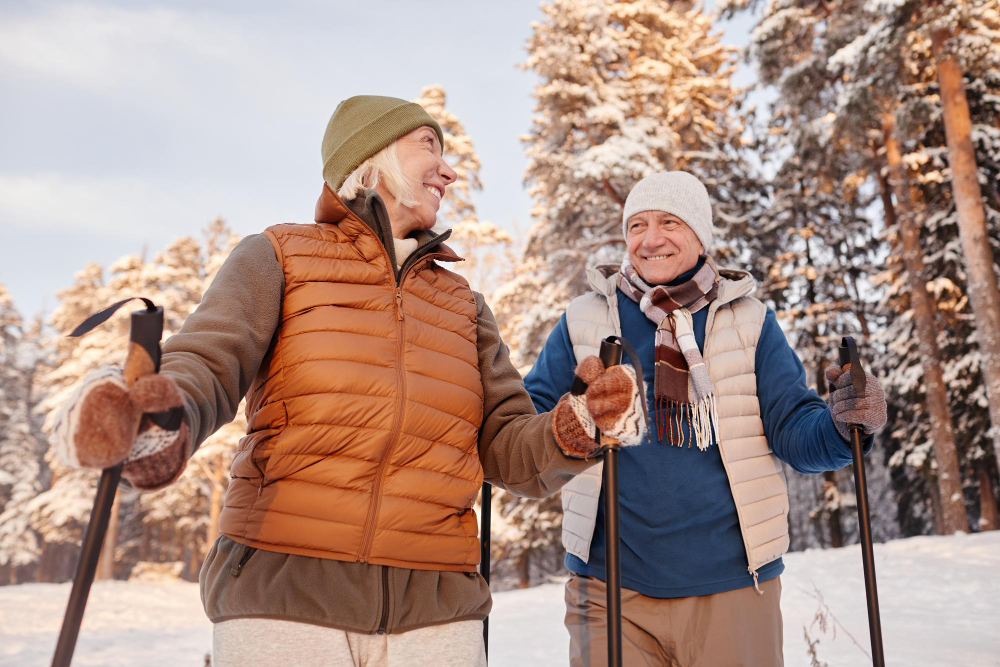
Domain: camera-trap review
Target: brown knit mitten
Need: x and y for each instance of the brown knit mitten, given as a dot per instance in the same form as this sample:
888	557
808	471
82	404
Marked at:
105	423
611	403
845	406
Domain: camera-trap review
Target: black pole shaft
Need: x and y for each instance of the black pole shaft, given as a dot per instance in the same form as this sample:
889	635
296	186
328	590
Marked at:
93	539
867	551
611	355
612	566
484	554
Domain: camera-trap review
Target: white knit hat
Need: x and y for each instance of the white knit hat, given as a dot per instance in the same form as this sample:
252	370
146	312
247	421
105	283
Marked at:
678	193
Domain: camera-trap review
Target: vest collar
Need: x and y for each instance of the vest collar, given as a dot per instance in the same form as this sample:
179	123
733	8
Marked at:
734	283
331	209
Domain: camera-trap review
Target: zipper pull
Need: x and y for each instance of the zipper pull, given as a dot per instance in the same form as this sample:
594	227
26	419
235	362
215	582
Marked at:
399	303
247	552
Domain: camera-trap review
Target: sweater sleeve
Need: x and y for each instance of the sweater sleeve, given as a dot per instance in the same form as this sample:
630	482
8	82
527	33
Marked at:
797	421
552	374
216	354
516	446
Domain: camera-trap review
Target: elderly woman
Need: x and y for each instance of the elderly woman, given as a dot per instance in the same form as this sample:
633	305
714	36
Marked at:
379	396
703	502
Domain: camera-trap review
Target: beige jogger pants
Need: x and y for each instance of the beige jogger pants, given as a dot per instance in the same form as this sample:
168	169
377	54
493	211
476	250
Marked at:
265	642
738	628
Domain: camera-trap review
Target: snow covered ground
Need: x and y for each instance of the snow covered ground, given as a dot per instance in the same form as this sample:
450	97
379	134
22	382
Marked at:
940	599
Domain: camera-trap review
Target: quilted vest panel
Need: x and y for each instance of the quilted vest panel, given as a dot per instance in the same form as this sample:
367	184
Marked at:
364	417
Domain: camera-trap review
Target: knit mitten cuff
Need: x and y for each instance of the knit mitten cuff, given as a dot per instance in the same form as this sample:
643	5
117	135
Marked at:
96	426
573	427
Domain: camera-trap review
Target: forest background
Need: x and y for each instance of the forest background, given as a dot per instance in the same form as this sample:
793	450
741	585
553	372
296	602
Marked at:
851	148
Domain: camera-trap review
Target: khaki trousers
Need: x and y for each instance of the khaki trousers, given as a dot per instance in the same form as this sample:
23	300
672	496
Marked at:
738	628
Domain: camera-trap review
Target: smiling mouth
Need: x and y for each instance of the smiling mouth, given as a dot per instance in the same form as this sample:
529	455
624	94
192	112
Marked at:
657	258
434	191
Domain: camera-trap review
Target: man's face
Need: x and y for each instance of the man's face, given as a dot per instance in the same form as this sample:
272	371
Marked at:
420	157
661	246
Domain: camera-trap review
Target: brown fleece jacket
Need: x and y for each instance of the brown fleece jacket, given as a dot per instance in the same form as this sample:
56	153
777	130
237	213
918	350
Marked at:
213	359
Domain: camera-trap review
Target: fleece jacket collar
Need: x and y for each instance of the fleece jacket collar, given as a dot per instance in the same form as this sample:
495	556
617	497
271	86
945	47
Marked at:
369	208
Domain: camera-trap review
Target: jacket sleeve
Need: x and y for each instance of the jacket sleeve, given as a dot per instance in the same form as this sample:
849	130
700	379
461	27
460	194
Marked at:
516	446
796	420
216	354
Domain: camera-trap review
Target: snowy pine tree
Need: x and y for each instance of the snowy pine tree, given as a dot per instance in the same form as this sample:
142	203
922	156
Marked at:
627	88
23	473
486	248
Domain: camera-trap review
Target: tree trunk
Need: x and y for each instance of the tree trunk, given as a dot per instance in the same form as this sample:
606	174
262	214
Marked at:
982	280
829	476
215	509
836	531
106	563
945	450
523	574
988	519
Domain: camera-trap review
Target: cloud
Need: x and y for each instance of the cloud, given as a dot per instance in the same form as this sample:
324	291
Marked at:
121	207
182	59
106	48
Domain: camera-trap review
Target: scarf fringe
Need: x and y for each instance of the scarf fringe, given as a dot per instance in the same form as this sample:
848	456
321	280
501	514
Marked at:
701	419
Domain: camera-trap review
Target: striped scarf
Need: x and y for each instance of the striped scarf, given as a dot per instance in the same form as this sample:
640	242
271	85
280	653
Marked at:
682	389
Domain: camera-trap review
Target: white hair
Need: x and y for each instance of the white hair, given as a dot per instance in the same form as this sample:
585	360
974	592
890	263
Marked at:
383	167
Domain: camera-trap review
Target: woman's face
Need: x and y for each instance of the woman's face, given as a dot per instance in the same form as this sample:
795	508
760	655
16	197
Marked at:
420	156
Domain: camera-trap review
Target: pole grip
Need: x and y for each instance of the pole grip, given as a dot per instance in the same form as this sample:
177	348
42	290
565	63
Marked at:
850	361
611	352
144	344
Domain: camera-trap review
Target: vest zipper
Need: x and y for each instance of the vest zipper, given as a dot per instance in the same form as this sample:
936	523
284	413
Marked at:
385	601
709	321
369	528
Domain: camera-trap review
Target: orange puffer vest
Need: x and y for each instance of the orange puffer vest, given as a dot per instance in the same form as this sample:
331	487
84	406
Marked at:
363	420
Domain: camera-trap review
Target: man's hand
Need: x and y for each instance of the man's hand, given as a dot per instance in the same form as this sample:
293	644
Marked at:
845	406
105	423
612	403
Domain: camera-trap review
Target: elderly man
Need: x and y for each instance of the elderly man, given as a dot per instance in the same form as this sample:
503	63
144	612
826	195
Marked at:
703	504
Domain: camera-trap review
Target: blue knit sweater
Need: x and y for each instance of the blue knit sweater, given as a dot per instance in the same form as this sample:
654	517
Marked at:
680	533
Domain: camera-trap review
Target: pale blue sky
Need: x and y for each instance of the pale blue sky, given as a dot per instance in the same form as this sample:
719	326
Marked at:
126	124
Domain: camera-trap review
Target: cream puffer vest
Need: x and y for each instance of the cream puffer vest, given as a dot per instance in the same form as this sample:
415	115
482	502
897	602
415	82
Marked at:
755	474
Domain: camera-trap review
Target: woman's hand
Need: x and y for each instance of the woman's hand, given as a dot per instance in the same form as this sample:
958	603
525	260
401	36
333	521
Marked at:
611	403
105	422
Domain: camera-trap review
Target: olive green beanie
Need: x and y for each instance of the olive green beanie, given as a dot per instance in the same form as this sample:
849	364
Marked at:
362	126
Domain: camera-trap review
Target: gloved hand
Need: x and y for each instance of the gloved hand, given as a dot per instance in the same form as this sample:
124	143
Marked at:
611	403
105	423
845	406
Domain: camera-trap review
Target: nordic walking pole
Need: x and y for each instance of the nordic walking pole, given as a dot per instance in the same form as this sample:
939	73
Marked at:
611	355
143	358
851	362
484	555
